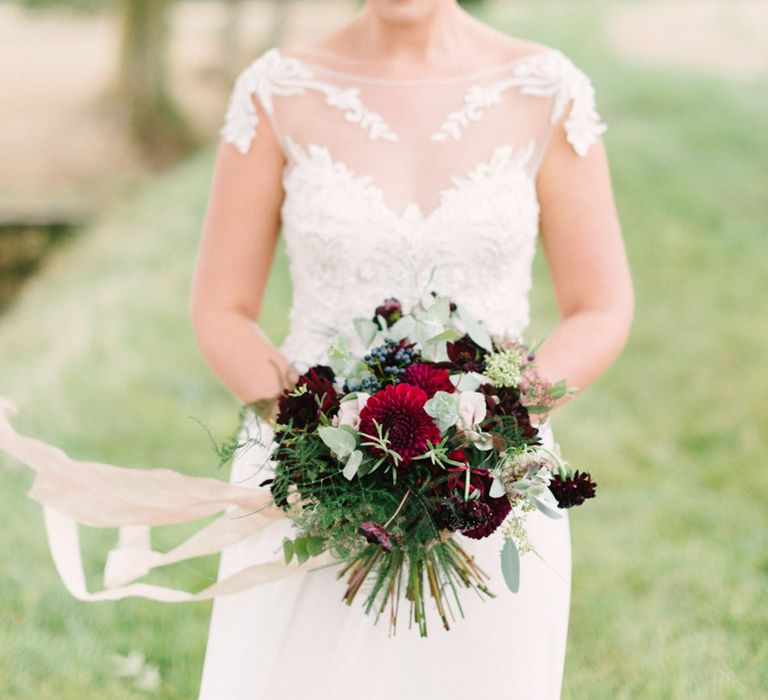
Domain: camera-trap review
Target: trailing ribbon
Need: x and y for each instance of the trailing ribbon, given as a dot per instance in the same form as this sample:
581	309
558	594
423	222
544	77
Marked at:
101	495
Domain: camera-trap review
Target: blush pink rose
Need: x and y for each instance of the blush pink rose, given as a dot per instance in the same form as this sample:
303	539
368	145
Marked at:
349	411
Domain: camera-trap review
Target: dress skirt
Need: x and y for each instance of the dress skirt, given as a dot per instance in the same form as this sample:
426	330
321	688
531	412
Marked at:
294	638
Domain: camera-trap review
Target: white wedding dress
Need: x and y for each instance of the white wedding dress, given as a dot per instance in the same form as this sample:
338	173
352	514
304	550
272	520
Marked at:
384	181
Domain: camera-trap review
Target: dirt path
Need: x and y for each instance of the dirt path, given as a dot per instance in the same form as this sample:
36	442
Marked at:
727	37
60	142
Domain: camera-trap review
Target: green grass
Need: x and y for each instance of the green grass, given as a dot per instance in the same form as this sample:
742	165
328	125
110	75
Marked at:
671	561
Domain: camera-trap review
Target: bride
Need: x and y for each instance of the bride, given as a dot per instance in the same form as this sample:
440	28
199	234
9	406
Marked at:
415	149
414	137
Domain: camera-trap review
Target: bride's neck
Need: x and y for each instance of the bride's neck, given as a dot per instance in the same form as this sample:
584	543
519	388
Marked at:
399	35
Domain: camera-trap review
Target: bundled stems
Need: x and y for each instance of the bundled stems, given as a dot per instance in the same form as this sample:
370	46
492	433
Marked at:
441	563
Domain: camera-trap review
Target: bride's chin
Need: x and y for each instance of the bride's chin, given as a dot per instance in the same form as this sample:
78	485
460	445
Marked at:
404	11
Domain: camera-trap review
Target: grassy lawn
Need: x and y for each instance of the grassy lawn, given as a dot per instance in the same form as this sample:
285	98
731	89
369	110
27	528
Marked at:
671	563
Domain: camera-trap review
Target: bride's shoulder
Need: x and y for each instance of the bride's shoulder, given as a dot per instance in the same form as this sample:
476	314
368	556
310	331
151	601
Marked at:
543	57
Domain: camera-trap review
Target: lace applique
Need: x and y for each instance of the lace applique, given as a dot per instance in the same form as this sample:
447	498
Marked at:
349	249
319	164
547	74
275	74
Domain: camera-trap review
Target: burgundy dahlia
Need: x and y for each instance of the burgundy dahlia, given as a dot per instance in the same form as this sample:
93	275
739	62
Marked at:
390	310
313	394
573	490
428	377
376	534
399	411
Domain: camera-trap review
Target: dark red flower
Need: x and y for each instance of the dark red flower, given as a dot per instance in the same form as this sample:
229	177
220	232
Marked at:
574	490
466	355
325	371
399	410
430	378
391	310
505	401
478	516
313	394
376	534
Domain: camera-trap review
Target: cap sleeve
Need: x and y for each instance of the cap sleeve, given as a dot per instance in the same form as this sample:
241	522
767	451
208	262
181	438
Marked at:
576	96
242	116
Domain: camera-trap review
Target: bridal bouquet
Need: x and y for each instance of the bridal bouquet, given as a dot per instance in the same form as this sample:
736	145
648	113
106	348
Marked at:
379	459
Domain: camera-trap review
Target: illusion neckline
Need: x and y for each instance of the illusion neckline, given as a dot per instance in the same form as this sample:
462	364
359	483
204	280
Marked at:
484	72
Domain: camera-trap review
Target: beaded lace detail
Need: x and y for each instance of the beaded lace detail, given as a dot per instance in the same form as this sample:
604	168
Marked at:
418	186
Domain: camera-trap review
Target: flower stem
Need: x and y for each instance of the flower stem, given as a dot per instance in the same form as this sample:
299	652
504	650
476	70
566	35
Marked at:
397	510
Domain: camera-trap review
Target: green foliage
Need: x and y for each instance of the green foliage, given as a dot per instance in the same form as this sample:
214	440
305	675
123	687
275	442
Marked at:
670	570
78	4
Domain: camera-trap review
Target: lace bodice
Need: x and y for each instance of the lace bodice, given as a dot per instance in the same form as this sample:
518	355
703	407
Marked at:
387	179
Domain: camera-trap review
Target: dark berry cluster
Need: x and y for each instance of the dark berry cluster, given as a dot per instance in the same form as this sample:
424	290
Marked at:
370	385
389	361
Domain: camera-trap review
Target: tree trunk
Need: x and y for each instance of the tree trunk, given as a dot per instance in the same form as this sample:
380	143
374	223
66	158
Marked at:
156	122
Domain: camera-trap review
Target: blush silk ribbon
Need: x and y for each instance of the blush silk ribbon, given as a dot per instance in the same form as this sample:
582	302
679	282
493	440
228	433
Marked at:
74	493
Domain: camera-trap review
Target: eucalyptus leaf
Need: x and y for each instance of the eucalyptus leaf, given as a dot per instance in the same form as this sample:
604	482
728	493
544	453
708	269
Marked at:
466	381
558	390
402	328
341	442
354	461
340	357
366	330
497	488
444	408
439	311
510	565
549	509
449	334
300	548
475	329
315	545
287	550
349	429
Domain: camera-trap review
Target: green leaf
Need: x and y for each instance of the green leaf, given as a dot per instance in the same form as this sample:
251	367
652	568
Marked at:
402	328
548	508
354	461
497	488
366	330
341	552
465	382
300	547
315	545
536	409
341	442
448	334
341	359
558	390
475	329
287	550
439	311
510	565
444	408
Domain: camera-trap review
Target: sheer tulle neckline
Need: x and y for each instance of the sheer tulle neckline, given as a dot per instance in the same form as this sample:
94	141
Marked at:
379	80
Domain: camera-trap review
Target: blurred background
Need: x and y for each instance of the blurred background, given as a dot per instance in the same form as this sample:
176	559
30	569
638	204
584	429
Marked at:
108	120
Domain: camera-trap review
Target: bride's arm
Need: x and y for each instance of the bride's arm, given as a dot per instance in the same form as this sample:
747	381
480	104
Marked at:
239	238
582	242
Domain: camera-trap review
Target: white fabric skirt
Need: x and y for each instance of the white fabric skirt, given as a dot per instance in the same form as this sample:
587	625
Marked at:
295	638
